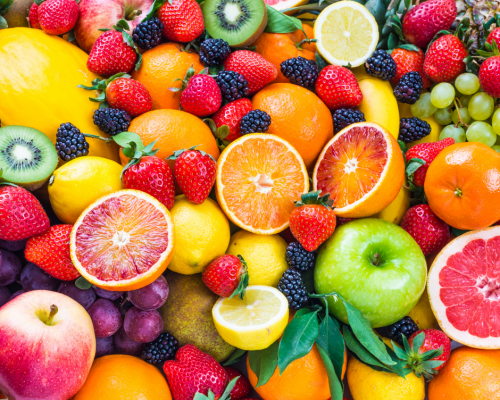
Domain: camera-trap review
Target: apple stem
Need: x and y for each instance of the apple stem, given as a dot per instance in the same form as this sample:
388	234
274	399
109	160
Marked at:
53	312
376	259
133	14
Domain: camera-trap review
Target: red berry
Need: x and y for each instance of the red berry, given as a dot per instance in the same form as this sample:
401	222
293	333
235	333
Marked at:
33	17
231	115
444	60
434	339
182	20
409	61
202	96
129	95
338	88
489	76
222	276
494	35
57	17
242	387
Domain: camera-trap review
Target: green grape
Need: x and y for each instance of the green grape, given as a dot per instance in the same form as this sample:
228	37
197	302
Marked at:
442	95
423	108
467	83
496	147
464	100
481	132
464	114
496	121
481	106
457	133
443	116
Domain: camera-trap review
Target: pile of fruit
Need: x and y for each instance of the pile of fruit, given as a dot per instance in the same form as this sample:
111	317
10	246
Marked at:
248	199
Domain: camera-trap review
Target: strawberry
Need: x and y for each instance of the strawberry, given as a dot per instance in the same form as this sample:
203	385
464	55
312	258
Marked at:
129	95
231	115
409	61
430	232
21	214
338	88
444	59
50	251
202	96
182	20
312	221
256	69
194	371
224	274
33	17
494	35
423	21
489	76
57	17
242	387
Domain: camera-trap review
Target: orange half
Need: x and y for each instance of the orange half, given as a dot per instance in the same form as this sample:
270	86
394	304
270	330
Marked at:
123	241
259	176
362	168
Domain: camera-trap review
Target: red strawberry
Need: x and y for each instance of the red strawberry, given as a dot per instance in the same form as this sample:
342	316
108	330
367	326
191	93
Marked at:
444	60
57	17
489	76
231	115
423	21
312	221
430	232
409	61
182	20
242	387
256	69
50	251
223	275
338	88
21	214
33	17
129	95
202	96
494	35
434	339
194	371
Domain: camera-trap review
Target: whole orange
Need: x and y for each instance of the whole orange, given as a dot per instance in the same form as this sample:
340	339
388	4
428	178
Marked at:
471	374
463	185
160	67
119	377
298	116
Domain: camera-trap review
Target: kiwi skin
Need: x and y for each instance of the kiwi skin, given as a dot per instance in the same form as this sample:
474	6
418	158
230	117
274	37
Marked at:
17	16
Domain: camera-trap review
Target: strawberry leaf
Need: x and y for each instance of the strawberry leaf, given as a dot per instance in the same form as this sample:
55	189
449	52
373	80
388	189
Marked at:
154	9
413	165
125	138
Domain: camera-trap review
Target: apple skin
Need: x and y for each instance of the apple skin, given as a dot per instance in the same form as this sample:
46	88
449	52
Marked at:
383	293
40	361
97	14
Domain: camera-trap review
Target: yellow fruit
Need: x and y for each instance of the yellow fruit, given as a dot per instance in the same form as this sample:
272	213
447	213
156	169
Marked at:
307	18
77	184
38	86
264	254
395	211
405	112
285	4
422	313
201	233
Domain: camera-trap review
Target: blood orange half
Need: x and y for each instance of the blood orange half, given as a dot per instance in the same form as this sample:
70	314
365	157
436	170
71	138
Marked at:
464	288
123	241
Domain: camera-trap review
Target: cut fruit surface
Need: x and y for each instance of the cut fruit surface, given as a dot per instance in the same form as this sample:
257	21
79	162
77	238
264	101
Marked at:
123	241
464	288
259	176
362	168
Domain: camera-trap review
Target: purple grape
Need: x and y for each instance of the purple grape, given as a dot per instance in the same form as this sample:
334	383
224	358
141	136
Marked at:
143	326
18	293
104	346
107	294
84	297
14	245
125	345
106	317
10	267
35	278
4	295
150	297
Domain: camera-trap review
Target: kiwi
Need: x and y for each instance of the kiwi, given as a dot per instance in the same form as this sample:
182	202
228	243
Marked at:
238	22
17	16
27	156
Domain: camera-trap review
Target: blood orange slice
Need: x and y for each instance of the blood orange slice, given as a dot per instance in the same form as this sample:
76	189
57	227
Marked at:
464	288
362	168
123	241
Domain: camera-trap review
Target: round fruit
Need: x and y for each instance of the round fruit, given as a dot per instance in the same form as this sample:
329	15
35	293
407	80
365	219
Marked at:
442	95
422	313
405	112
481	132
481	106
457	133
395	211
467	83
423	108
17	15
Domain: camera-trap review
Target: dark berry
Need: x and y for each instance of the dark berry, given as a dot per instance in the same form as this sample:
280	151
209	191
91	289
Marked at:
213	52
413	129
300	71
346	116
233	86
405	326
293	288
112	121
70	142
255	121
381	65
161	349
409	88
299	258
147	34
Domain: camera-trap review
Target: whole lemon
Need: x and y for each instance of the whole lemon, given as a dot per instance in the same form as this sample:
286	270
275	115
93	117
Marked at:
201	234
78	183
422	313
264	255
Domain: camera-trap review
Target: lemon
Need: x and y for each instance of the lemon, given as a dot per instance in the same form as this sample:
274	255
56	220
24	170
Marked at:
77	184
346	33
201	233
255	322
422	313
395	211
264	254
405	112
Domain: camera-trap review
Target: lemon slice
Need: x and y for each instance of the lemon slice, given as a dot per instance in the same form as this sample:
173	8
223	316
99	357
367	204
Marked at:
346	33
255	322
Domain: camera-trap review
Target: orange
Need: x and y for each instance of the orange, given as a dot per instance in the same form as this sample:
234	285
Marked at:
119	377
122	241
362	168
470	374
160	67
298	116
278	47
259	176
463	185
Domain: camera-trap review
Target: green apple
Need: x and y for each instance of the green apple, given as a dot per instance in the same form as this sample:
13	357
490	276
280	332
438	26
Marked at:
375	266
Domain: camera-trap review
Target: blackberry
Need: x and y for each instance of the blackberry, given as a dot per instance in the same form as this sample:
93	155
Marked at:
147	34
293	288
300	71
346	116
409	88
299	258
405	326
111	120
213	52
161	349
413	129
70	142
255	121
381	65
233	86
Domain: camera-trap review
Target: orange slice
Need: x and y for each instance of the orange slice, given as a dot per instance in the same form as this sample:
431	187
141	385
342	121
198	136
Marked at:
362	168
259	176
123	241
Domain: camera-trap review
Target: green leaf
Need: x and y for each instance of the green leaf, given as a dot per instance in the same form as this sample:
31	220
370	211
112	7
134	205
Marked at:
3	23
336	390
240	290
320	61
277	22
128	152
403	147
264	362
392	41
229	387
237	355
154	9
357	348
377	9
5	5
410	47
332	341
123	139
82	283
413	165
302	311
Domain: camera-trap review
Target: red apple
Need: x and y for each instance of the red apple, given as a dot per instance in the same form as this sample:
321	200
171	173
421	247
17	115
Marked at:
47	346
97	14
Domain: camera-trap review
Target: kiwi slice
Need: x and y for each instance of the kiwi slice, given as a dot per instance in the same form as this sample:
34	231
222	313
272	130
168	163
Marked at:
238	22
27	156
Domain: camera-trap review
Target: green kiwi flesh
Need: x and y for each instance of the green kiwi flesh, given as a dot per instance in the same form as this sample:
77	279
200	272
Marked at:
238	22
27	156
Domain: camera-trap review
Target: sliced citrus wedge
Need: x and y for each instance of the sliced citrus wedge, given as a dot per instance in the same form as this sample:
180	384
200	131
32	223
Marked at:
123	241
362	168
255	322
259	176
